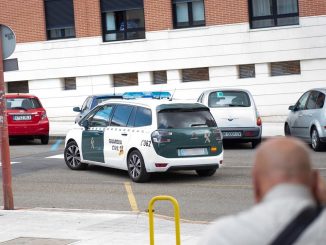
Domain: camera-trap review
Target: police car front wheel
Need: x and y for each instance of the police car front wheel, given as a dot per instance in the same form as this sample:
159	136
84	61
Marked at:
136	167
72	156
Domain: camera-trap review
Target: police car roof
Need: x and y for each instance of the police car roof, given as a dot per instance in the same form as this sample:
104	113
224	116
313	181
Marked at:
157	104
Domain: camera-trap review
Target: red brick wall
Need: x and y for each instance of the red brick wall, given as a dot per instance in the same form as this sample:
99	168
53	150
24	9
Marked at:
87	18
26	18
219	12
312	7
158	15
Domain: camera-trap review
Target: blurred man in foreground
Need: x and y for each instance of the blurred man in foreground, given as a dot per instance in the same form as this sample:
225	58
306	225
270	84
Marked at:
284	185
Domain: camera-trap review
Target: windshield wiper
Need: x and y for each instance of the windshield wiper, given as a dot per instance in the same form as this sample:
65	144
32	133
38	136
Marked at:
233	105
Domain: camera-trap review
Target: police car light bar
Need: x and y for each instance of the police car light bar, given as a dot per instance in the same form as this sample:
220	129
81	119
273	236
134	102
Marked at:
152	95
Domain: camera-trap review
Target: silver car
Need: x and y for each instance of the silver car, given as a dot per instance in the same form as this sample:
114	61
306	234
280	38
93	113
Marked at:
236	114
307	119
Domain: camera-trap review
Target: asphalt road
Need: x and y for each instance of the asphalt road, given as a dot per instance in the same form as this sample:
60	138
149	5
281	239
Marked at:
39	181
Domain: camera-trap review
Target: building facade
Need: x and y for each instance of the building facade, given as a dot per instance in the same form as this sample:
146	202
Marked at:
69	49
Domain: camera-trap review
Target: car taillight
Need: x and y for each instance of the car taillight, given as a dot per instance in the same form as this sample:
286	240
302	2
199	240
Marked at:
218	134
43	115
161	136
259	121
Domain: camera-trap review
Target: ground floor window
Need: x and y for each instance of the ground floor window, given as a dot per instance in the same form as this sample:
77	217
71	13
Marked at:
69	83
247	71
285	68
195	74
159	77
126	79
18	87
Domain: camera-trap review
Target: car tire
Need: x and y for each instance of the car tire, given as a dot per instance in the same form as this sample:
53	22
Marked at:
206	172
136	167
316	144
72	156
45	139
255	143
287	131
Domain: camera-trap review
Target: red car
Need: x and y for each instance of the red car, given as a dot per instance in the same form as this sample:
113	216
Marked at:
26	117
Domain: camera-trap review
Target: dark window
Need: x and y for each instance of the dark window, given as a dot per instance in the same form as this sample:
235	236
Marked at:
23	103
301	104
269	13
320	101
193	75
228	99
159	77
87	104
185	118
121	115
122	19
70	83
127	79
101	117
60	22
143	117
247	71
285	68
188	13
316	100
18	87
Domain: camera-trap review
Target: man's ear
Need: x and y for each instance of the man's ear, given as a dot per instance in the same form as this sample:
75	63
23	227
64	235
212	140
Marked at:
314	184
318	187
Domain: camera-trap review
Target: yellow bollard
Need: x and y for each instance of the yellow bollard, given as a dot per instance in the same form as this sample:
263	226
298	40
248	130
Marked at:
176	217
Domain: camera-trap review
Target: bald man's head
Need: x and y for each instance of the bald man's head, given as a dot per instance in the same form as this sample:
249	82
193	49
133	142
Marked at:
281	160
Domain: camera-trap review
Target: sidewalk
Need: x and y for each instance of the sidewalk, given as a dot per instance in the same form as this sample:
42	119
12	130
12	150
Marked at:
88	227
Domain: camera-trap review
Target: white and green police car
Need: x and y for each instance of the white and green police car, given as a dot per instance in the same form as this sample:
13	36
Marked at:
144	136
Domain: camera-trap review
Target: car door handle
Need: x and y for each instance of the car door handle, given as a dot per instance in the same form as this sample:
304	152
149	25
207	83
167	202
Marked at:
124	134
300	115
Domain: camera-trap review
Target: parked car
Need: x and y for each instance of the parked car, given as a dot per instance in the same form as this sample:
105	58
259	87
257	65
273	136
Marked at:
307	119
92	101
236	114
26	117
144	136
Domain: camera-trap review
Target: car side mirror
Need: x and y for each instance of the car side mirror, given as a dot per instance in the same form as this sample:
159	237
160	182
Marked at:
76	109
292	108
85	124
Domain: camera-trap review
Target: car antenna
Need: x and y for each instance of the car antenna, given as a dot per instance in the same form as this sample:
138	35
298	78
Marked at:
173	94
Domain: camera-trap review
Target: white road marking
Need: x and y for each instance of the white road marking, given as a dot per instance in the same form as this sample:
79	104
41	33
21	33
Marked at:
10	163
60	156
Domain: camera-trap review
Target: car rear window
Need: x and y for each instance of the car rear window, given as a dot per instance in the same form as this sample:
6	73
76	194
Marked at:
228	99
23	103
185	118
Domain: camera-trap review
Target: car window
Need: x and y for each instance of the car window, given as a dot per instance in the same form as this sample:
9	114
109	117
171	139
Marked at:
86	103
185	118
320	101
228	99
23	103
302	101
311	103
121	115
143	117
101	117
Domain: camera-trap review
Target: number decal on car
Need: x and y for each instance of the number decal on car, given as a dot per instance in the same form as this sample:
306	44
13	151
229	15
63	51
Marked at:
146	143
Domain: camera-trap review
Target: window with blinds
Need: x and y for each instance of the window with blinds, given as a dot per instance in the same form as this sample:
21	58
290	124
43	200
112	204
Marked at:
247	71
159	77
122	20
196	74
126	79
59	16
285	68
17	87
69	83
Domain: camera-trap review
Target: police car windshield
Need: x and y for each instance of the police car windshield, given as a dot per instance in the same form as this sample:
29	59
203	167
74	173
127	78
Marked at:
185	118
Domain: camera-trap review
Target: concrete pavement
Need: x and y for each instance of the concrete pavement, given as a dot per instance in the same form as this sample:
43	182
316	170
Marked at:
88	227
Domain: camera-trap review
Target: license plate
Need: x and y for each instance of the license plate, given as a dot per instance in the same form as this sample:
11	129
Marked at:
22	117
192	152
231	134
